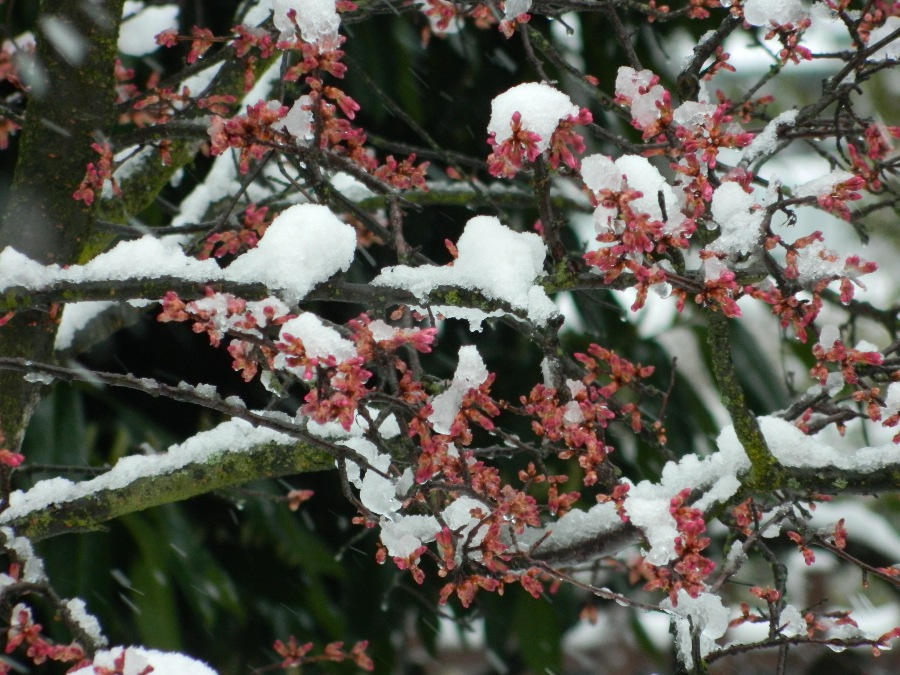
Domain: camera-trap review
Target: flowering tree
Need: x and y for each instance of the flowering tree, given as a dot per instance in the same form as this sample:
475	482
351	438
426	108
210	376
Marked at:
618	346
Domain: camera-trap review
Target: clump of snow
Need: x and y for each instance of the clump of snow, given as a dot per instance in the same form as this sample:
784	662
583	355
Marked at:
494	260
33	566
740	220
767	140
139	660
692	114
515	8
815	262
780	12
402	537
141	25
892	49
377	492
85	620
304	246
470	373
317	20
576	525
892	401
541	106
829	335
17	269
823	185
128	260
319	341
602	173
634	86
298	122
147	257
705	615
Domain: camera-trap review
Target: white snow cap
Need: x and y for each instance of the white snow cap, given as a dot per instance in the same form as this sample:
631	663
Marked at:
780	12
541	106
318	20
494	260
137	659
305	245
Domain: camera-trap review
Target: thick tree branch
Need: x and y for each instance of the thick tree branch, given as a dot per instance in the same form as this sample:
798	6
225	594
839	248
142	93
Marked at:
221	470
71	106
766	473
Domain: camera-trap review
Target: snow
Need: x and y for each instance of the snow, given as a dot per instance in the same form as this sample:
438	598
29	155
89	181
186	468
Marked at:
304	246
141	25
740	220
86	621
892	401
633	171
147	257
403	537
139	659
823	185
319	341
515	8
577	525
470	373
317	20
33	566
298	122
634	87
541	106
600	172
767	140
692	114
814	263
718	476
892	49
498	262
68	42
780	12
376	492
705	614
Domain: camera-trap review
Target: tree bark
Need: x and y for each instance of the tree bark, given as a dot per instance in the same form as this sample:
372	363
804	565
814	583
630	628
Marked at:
71	105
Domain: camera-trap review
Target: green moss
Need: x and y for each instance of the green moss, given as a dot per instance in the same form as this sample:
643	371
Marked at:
223	470
766	474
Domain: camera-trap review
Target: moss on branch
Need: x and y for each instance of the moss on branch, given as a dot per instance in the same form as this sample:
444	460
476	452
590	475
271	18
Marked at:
766	474
228	469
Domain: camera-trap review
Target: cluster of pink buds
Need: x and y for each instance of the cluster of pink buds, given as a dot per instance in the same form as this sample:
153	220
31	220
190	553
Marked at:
691	568
296	655
24	632
97	174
